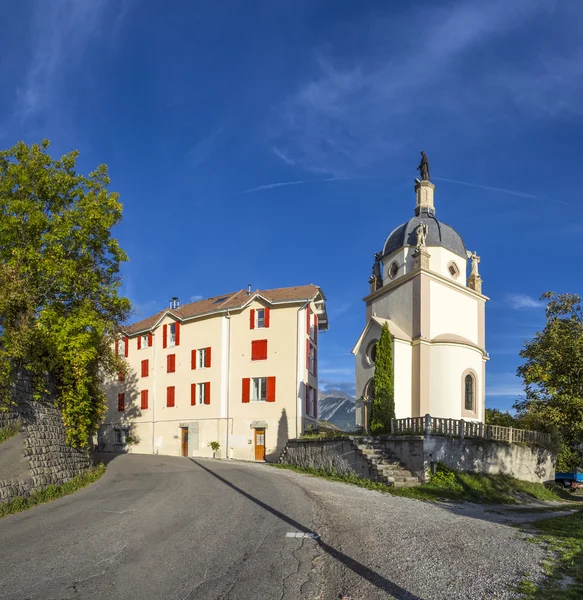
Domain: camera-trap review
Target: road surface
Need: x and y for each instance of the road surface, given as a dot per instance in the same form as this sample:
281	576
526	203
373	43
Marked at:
170	528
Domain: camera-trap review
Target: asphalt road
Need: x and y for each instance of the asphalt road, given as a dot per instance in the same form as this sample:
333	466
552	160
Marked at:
165	528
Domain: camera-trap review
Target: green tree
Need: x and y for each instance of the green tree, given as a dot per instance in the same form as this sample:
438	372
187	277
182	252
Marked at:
553	377
59	281
383	404
505	419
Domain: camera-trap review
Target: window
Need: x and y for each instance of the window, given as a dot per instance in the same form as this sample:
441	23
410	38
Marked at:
393	270
121	435
120	347
259	389
453	270
170	396
145	368
308	400
469	392
203	393
171	363
371	353
369	389
145	340
121	376
144	399
121	402
311	358
172	336
259	350
204	358
259	318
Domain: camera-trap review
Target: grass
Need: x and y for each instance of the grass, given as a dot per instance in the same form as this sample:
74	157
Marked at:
563	536
51	492
9	431
447	484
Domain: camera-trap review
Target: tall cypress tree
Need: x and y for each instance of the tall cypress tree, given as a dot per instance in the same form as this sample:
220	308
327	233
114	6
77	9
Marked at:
383	404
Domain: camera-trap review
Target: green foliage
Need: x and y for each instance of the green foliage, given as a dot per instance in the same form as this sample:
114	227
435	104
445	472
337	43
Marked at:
447	484
59	281
383	404
9	431
564	537
553	378
504	419
52	492
214	446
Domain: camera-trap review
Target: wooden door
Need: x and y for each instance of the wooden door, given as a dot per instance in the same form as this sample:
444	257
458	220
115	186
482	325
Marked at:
184	441
260	444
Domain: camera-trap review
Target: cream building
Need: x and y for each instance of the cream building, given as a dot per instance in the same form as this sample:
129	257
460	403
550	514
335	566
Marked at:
436	315
238	369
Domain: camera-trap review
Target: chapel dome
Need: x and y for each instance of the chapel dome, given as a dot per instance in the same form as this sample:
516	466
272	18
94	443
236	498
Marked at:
438	234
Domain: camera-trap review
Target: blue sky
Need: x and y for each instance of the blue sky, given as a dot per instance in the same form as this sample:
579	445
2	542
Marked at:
274	142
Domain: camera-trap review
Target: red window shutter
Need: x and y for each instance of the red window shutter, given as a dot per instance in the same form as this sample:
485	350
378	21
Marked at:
308	354
193	359
126	345
144	399
164	336
207	392
315	400
193	394
121	402
117	346
170	396
145	368
171	363
266	318
270	389
246	389
139	342
255	349
177	334
252	319
150	340
308	319
207	360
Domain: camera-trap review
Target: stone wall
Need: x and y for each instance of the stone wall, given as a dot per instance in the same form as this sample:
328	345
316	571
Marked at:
51	460
336	454
417	452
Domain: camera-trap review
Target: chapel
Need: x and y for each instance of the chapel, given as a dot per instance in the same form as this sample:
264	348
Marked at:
435	312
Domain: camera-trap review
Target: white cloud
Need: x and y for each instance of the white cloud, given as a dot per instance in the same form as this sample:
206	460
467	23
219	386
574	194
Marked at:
196	298
504	384
354	112
520	301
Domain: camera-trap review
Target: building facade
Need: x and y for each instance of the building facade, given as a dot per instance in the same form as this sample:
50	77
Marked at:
436	315
238	369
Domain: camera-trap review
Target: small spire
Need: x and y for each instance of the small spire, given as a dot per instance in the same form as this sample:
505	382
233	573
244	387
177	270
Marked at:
424	188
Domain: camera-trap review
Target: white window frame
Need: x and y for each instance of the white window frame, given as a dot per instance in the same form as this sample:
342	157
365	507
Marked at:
260	322
201	358
172	334
256	384
200	387
145	340
121	347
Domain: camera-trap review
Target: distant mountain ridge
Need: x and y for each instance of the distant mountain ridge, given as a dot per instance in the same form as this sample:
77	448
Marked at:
337	407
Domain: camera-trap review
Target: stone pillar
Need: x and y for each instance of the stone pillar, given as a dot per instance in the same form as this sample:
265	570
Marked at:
424	192
475	283
421	257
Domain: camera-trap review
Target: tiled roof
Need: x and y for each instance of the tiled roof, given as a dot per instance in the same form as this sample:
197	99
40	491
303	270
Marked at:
227	301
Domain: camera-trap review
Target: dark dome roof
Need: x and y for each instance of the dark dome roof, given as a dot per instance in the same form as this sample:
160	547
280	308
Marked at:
439	234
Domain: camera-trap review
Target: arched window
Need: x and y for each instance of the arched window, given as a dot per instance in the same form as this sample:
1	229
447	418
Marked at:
469	392
369	388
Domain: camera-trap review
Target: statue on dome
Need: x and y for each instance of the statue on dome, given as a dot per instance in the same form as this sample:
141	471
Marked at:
423	167
421	231
473	256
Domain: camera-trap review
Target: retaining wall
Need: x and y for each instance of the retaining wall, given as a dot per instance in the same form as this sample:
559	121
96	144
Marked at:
527	463
51	460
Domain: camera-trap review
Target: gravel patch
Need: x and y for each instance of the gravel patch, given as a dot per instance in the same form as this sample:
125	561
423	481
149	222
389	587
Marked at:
381	546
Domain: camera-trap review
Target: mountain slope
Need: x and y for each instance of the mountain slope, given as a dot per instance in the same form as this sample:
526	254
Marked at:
338	408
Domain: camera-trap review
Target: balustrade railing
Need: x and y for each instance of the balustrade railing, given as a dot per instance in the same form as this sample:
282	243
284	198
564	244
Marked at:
429	425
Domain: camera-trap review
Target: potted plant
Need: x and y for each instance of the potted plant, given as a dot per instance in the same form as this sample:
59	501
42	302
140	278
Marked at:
215	446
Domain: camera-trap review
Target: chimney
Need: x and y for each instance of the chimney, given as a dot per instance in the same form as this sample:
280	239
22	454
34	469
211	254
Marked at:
249	290
174	303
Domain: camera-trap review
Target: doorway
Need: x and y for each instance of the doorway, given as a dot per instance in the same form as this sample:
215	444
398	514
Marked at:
184	441
259	444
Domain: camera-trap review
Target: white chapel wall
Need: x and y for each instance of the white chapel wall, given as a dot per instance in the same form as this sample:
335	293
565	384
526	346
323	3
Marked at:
440	261
453	312
402	363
